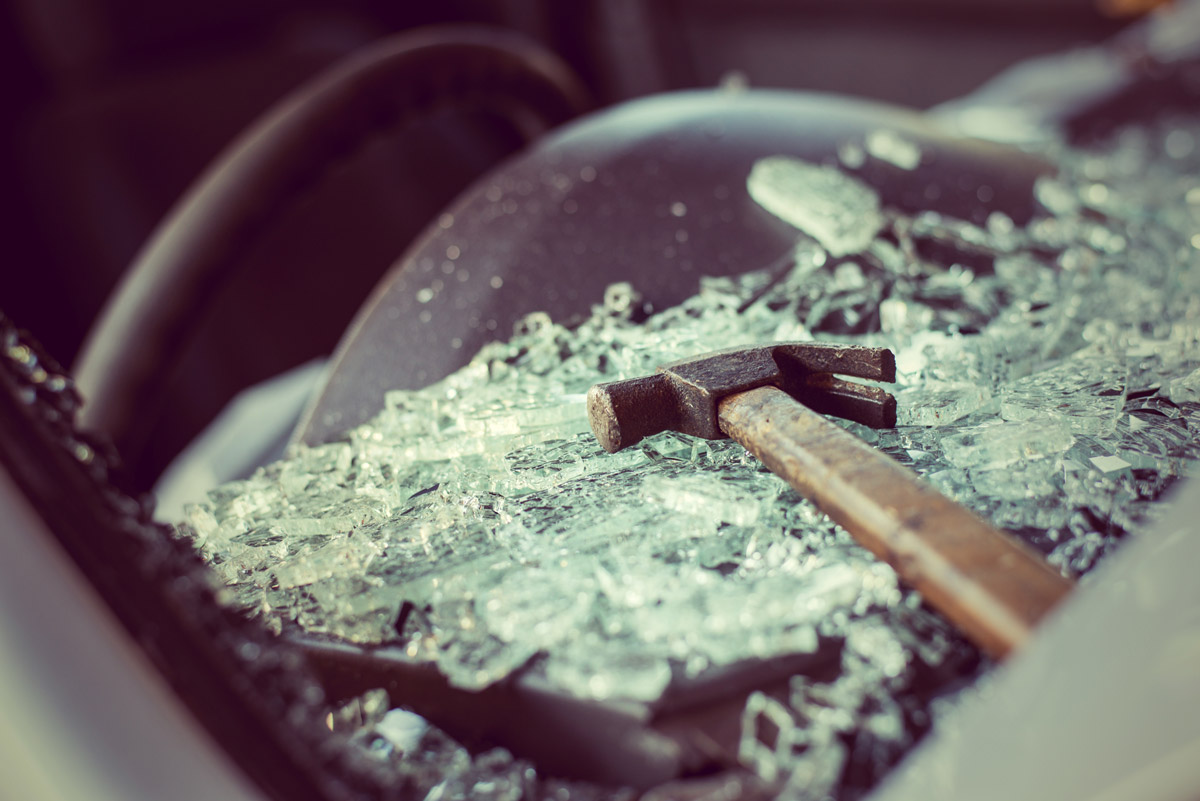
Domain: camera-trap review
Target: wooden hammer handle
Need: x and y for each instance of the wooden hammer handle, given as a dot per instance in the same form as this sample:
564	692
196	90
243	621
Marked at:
993	587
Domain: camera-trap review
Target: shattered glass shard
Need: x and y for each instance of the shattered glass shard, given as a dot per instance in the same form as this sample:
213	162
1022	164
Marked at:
940	403
1001	443
838	211
1185	389
887	145
345	556
706	497
1086	392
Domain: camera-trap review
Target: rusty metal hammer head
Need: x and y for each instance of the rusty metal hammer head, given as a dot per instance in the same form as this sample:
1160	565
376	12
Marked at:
684	396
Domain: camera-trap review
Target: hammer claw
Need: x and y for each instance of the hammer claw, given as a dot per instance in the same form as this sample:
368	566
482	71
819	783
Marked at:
827	394
873	364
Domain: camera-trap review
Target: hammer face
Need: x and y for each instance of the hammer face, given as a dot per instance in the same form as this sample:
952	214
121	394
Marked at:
622	413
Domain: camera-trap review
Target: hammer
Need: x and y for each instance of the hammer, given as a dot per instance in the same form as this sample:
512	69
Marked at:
771	400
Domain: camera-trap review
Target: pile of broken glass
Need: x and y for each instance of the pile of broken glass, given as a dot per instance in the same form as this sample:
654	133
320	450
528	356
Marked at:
1051	384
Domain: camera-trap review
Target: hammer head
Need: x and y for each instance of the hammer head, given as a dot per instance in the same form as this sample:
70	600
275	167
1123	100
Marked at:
684	396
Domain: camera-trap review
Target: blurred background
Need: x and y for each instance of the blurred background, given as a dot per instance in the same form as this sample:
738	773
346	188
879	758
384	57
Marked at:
115	106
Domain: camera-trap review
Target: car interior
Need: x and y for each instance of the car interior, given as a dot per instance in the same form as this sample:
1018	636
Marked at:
249	231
